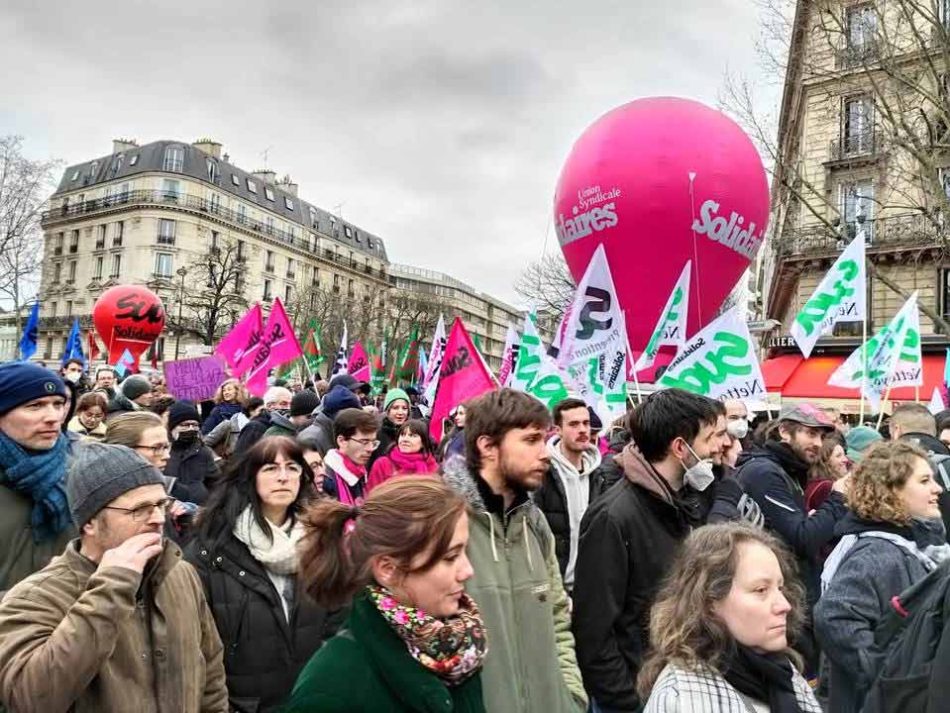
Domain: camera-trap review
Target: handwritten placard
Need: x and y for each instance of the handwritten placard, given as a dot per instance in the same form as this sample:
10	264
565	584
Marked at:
194	379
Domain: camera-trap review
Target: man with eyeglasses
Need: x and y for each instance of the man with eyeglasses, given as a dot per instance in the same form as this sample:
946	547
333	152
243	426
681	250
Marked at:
119	621
34	515
355	433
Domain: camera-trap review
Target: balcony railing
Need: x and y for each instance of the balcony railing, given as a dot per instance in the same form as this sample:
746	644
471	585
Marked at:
100	244
73	248
854	55
58	250
891	233
195	203
864	144
166	239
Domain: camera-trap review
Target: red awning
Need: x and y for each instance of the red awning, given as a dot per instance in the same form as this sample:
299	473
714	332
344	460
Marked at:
809	378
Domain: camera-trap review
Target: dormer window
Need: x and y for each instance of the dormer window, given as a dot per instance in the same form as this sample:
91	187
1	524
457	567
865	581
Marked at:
174	159
134	159
268	193
212	170
288	203
251	186
75	175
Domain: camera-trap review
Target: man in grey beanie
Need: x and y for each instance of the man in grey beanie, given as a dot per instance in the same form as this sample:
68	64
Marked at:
134	394
119	621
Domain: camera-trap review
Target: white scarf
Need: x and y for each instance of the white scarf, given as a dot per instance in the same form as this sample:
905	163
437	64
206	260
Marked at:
278	554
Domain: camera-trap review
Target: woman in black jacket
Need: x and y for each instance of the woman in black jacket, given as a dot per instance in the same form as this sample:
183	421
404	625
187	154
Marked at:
245	551
190	461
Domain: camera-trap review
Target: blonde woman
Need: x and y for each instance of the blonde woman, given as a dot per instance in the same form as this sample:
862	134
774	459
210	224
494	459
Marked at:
891	538
229	399
721	625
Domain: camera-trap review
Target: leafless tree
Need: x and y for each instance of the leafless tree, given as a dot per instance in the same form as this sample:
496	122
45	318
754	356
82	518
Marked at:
897	56
24	186
547	285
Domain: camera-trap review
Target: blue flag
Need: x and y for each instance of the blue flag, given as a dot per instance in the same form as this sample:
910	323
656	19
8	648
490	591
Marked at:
124	364
30	333
946	370
73	348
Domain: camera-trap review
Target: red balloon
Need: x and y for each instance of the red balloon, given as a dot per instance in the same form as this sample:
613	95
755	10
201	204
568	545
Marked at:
128	317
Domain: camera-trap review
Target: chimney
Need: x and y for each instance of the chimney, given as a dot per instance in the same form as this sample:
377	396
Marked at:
266	176
209	146
288	185
123	145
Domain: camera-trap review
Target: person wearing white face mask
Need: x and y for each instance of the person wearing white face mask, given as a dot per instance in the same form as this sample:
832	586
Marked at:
628	539
73	372
737	427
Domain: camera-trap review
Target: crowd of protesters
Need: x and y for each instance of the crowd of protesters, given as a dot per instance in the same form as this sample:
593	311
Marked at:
316	550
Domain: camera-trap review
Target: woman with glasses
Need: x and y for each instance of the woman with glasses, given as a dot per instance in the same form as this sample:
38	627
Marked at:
411	454
355	433
245	550
89	421
144	433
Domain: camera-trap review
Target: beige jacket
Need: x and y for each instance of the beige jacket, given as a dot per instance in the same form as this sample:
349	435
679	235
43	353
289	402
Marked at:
75	639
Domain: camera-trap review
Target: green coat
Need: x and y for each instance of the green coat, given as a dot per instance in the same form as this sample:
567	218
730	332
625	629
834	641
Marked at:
366	668
20	556
531	666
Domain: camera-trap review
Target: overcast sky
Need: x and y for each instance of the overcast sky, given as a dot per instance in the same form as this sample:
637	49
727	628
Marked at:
439	125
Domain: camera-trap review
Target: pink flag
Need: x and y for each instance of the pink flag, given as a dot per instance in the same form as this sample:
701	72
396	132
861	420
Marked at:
358	365
278	345
239	346
462	376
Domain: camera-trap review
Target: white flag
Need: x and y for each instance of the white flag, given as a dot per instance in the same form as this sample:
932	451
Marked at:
339	366
910	364
430	382
840	297
508	357
719	362
881	353
594	344
671	327
936	402
535	372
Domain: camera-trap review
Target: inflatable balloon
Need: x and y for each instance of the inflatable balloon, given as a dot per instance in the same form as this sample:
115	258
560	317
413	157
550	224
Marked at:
128	317
661	181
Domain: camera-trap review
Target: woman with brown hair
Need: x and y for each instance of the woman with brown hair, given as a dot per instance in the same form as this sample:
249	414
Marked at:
720	627
90	414
228	400
414	640
891	538
832	465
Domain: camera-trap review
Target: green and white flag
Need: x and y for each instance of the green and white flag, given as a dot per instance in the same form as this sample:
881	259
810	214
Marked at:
593	350
719	362
896	343
840	297
535	372
670	329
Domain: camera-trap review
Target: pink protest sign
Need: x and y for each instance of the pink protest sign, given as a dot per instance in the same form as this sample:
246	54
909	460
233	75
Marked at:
194	379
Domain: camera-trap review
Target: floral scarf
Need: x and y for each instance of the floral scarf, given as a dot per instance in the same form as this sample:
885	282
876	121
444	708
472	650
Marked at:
453	649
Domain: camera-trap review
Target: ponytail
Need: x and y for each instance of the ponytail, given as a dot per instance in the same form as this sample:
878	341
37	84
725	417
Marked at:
324	562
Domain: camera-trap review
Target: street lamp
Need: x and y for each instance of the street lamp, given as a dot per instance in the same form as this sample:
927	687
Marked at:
181	272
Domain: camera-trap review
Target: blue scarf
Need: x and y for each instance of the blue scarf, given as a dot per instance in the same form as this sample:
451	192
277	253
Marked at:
41	476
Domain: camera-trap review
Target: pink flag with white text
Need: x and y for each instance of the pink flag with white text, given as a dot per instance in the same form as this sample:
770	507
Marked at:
358	365
239	346
278	345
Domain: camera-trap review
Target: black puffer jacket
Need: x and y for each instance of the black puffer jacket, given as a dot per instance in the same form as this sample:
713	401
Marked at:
252	432
263	653
194	467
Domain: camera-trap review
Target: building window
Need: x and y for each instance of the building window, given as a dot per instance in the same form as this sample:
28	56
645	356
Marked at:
174	159
98	273
93	169
267	290
57	271
134	159
944	294
860	26
52	310
348	232
118	232
69	308
212	170
235	180
74	240
288	203
268	193
116	266
857	209
75	175
214	202
241	213
269	261
269	223
292	231
72	273
314	222
163	265
240	250
171	189
251	186
288	291
166	231
214	242
857	131
291	269
116	164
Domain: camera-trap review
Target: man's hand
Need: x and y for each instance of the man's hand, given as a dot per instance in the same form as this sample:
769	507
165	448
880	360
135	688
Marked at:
134	553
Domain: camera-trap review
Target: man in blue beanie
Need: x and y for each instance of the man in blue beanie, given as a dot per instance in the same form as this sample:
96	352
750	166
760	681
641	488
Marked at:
318	436
34	514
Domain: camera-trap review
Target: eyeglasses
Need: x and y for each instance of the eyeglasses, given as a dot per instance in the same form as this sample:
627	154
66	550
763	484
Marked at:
366	443
143	512
156	450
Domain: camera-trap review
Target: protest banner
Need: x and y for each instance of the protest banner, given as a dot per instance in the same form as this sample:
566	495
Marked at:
719	362
194	379
358	364
461	376
670	330
239	346
278	344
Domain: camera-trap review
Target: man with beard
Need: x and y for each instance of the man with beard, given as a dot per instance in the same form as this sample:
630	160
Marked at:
775	476
568	488
630	536
119	621
532	667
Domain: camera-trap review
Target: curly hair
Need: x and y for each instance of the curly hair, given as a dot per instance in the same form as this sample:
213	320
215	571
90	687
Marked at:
876	484
684	629
240	397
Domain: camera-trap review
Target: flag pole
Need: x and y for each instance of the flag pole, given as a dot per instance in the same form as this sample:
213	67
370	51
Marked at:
864	364
880	417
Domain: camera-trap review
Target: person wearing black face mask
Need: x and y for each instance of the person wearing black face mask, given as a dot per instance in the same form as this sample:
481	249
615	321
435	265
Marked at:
191	463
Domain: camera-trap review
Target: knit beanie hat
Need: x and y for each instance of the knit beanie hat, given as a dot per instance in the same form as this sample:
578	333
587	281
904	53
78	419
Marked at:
337	399
135	386
858	440
395	395
21	381
99	473
303	403
182	411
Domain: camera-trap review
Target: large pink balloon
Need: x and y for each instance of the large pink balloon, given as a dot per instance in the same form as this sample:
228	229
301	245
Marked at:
661	181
